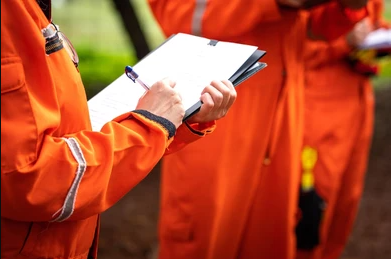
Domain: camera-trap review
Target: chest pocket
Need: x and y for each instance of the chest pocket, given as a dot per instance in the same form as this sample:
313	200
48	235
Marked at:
18	127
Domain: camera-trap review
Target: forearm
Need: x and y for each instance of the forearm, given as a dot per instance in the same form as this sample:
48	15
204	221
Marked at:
82	174
332	20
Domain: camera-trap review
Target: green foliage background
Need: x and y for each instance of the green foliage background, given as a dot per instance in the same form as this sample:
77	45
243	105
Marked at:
104	49
99	38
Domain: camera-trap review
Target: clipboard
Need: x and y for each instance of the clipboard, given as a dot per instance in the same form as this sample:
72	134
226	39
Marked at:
248	69
195	60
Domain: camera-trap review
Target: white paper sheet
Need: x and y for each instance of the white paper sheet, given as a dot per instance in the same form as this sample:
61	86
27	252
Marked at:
377	39
187	59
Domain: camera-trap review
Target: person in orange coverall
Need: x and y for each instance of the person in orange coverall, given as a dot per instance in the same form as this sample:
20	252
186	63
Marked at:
337	136
236	196
57	175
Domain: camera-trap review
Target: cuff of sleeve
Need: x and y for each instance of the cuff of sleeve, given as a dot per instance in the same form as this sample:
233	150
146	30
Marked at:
188	133
158	121
201	129
166	124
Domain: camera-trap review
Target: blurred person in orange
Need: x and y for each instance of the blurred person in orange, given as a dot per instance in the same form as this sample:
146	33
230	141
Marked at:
236	196
339	111
57	174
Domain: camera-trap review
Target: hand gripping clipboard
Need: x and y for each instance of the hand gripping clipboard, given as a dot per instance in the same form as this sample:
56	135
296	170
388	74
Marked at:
248	69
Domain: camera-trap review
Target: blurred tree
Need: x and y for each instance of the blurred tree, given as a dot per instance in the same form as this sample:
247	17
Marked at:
132	27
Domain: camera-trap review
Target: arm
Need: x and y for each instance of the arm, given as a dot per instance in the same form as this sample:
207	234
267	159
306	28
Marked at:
224	18
376	10
53	167
342	47
330	21
78	175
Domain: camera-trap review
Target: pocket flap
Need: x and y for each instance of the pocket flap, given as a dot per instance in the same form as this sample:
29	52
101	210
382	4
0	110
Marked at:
12	74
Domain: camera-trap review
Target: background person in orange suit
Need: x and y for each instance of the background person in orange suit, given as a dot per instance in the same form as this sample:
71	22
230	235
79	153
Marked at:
57	175
236	196
337	136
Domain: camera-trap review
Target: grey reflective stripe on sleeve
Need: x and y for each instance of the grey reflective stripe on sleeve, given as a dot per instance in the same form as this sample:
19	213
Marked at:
69	204
197	17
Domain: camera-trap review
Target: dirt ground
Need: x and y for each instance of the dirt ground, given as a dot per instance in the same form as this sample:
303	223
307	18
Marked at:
129	228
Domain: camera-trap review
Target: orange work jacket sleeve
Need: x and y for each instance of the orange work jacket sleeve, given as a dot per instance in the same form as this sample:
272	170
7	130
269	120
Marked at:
325	53
53	166
184	16
188	133
332	20
328	21
376	10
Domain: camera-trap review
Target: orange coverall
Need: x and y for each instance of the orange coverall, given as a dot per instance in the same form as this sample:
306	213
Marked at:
338	126
236	195
56	174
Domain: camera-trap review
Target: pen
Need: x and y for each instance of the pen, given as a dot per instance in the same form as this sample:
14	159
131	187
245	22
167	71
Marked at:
134	77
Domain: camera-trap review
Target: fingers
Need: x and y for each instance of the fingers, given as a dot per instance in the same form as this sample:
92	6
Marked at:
232	92
165	82
171	82
163	100
216	95
207	103
217	98
222	92
166	85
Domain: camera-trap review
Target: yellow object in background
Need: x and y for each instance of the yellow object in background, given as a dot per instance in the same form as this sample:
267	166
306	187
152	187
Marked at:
309	156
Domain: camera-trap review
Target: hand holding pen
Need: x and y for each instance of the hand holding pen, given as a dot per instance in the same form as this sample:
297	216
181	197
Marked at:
160	99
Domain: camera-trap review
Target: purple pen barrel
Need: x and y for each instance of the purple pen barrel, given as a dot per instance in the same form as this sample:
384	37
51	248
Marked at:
134	77
130	73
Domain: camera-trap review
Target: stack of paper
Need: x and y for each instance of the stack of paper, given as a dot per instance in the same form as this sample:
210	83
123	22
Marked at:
378	39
